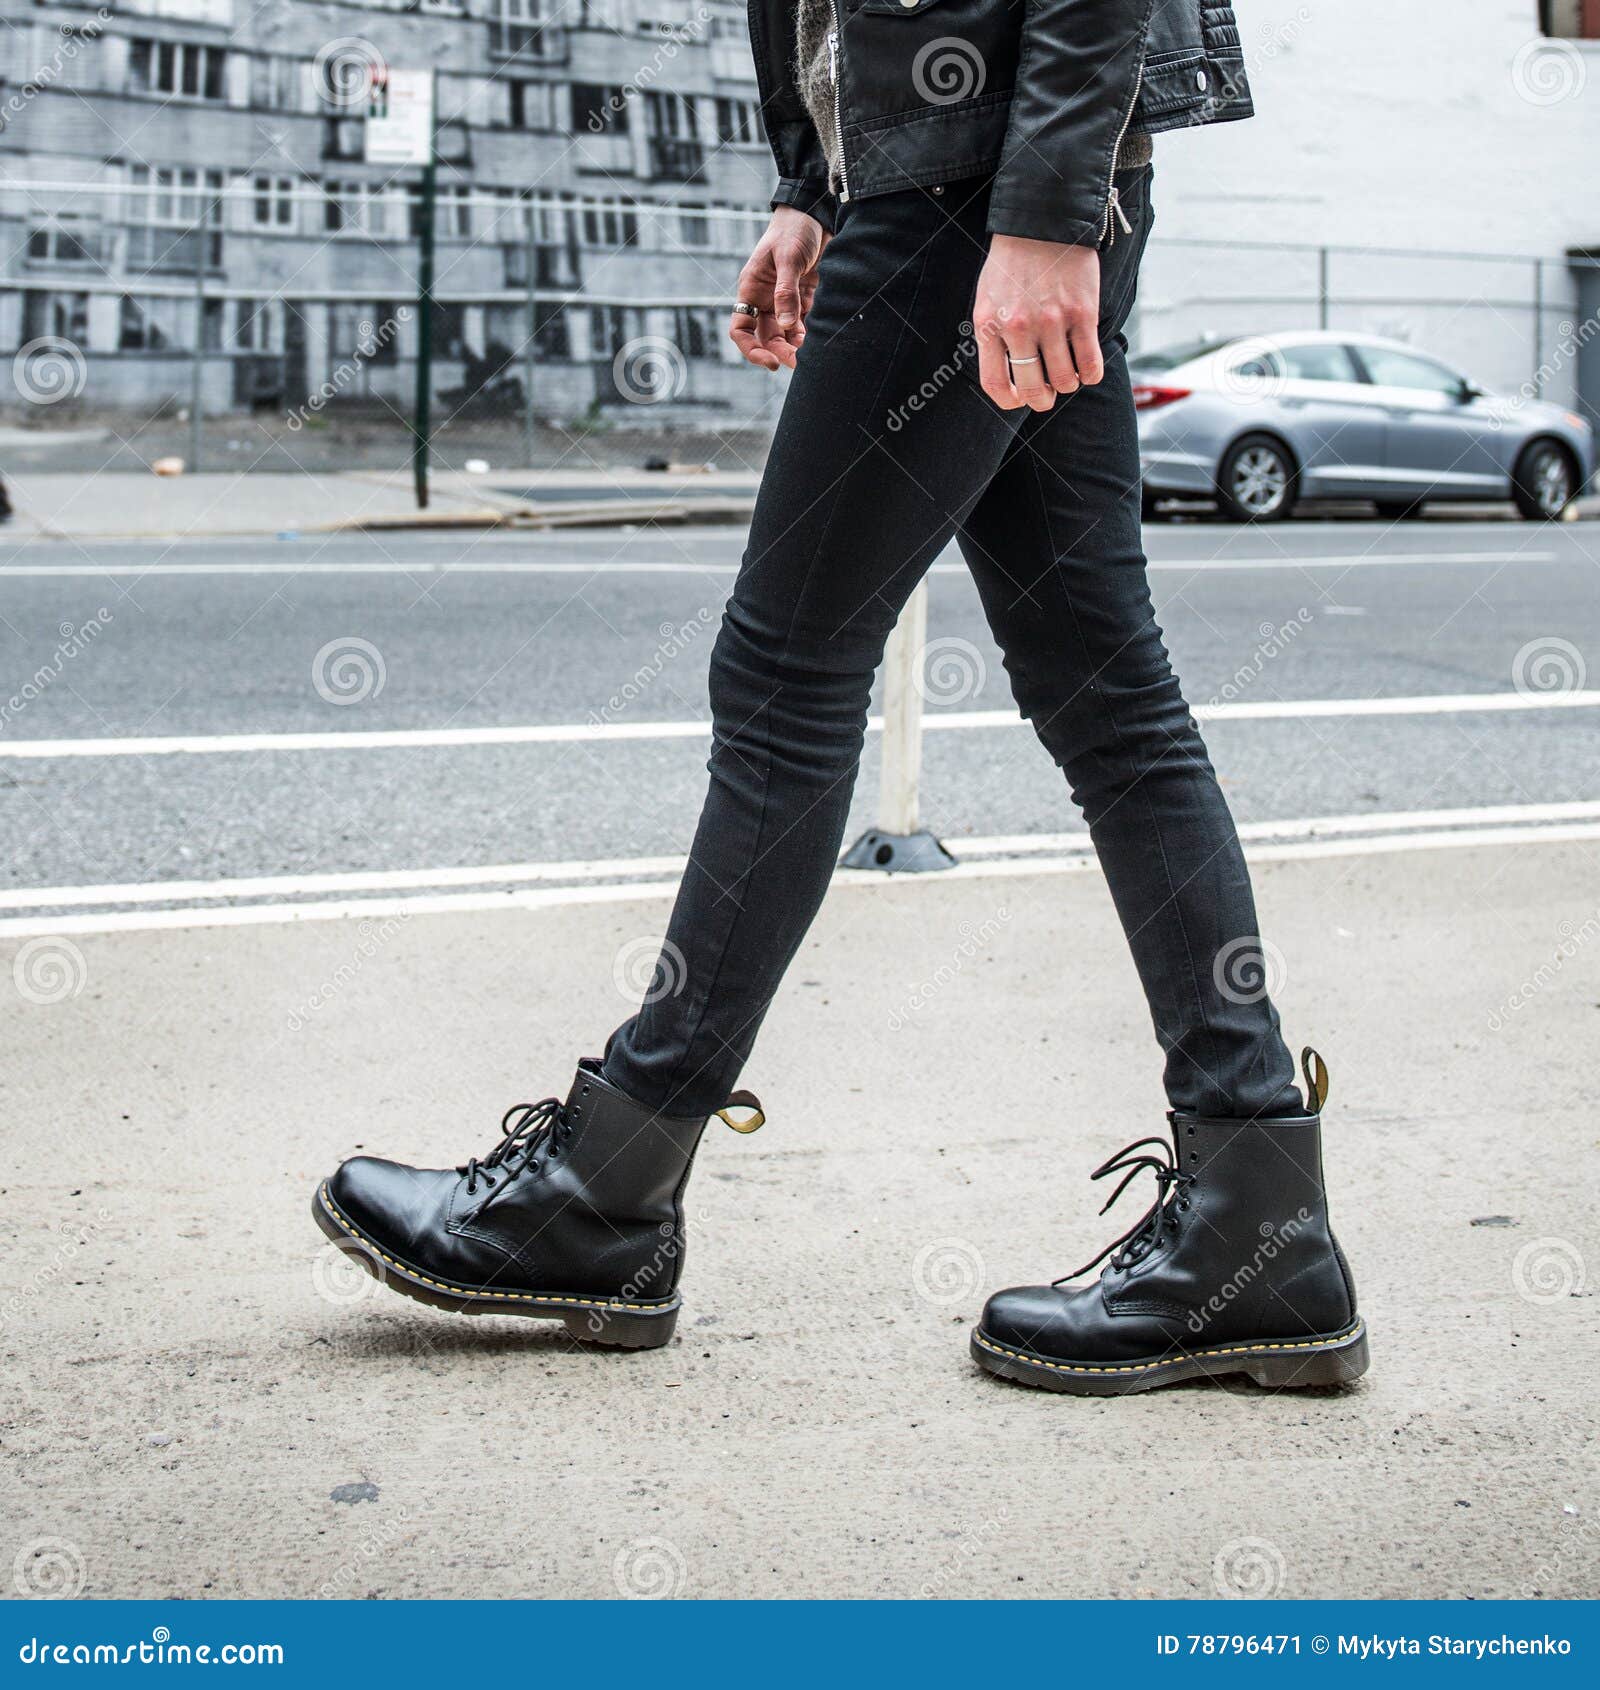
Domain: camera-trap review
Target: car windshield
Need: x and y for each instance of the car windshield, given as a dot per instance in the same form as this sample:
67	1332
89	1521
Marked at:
1166	358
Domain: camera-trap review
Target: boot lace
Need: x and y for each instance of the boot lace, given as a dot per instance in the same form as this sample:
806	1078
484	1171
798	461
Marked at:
524	1130
1162	1216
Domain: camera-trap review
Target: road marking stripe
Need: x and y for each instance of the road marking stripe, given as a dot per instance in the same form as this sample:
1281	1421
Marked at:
371	909
568	733
621	868
488	566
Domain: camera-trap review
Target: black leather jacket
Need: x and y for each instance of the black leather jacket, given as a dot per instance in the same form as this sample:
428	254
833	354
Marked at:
1040	92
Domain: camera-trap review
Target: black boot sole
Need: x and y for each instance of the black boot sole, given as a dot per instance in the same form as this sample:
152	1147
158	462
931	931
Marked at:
1286	1364
594	1320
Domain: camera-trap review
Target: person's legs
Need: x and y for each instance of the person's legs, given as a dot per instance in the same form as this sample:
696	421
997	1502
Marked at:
1054	546
884	442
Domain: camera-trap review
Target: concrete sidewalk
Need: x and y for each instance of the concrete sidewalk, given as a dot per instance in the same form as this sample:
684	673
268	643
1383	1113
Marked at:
114	504
204	1401
120	505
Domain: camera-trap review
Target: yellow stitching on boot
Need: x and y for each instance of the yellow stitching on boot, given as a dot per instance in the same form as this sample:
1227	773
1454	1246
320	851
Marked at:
1168	1361
461	1291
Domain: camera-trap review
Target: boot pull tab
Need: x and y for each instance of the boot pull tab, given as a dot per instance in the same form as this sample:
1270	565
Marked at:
742	1100
1316	1073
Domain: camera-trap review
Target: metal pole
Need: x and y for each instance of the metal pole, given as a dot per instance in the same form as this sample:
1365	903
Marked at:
197	364
1538	328
1322	287
901	775
528	428
421	423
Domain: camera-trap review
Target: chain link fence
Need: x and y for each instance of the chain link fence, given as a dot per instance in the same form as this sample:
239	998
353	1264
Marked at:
266	324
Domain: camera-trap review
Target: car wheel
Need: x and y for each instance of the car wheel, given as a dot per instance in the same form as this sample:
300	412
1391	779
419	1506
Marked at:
1256	480
1399	510
1544	481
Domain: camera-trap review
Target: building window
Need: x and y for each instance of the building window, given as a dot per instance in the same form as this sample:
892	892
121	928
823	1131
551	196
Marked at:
364	332
452	211
65	239
695	331
168	210
362	210
516	28
179	69
1575	20
272	202
532	106
738	124
599	108
147	325
55	316
608	226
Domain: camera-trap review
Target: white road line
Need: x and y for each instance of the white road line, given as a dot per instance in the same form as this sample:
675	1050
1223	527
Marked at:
376	909
623	566
575	733
622	868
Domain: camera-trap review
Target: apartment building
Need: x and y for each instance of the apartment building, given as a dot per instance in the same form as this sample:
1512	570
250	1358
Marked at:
174	167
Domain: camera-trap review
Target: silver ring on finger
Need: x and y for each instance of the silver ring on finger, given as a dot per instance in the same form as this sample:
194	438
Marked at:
743	310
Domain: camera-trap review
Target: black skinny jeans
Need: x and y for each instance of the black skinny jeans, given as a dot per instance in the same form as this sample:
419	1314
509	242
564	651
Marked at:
886	448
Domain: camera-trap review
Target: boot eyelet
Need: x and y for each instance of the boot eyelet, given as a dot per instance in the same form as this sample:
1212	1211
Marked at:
1190	1131
1194	1155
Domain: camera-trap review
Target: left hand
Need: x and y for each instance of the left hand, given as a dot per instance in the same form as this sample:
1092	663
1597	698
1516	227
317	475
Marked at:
1037	300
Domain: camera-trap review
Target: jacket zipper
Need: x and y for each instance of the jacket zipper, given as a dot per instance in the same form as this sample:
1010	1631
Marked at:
838	120
1108	235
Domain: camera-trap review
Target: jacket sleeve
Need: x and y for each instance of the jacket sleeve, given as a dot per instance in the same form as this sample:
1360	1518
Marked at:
809	194
1077	81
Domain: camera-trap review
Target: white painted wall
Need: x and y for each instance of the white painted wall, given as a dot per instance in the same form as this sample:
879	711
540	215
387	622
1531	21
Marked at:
1421	124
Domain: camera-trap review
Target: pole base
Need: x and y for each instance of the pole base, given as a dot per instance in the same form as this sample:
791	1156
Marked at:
898	853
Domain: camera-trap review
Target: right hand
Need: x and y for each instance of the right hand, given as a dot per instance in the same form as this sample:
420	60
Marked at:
779	280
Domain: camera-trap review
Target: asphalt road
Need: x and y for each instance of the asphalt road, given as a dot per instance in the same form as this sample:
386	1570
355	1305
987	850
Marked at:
356	635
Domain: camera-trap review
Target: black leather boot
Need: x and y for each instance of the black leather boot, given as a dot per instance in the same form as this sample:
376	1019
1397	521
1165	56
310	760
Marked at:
576	1215
1233	1270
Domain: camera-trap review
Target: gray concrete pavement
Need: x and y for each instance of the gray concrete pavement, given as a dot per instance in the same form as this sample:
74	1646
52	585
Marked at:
197	1389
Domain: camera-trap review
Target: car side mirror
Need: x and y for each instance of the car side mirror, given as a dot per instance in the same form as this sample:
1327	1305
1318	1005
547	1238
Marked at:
1468	391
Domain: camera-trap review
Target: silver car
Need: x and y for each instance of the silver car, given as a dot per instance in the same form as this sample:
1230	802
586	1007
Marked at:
1260	423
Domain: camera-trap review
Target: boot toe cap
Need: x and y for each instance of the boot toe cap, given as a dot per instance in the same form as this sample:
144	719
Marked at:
387	1202
1026	1317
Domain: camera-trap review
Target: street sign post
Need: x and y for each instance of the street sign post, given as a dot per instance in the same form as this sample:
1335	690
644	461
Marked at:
400	129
